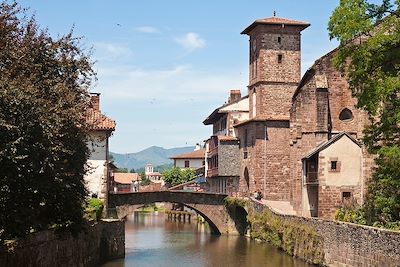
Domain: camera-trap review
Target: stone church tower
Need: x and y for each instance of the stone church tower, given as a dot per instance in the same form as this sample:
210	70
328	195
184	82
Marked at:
274	74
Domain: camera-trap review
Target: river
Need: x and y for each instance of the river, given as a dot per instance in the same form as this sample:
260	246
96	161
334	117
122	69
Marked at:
153	241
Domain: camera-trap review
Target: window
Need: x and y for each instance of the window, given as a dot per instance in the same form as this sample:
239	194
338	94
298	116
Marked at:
346	115
280	59
279	40
186	164
334	165
346	198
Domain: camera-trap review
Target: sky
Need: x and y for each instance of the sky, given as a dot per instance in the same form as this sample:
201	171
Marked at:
164	66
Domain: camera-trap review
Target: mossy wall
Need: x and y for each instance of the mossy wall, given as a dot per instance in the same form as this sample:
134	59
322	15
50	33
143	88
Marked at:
99	243
295	239
325	242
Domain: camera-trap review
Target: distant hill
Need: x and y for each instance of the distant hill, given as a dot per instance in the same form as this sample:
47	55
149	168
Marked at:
154	155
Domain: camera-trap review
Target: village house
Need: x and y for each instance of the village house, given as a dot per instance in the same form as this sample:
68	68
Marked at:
196	161
193	160
101	128
222	167
299	145
125	182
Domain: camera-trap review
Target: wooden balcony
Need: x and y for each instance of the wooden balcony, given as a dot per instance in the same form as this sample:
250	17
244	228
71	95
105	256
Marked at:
212	172
311	178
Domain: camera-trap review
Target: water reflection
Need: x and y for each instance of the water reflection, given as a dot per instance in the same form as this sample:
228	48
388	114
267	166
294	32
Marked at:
151	240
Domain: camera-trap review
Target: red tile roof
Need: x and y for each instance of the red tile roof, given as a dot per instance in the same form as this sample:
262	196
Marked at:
276	21
198	154
99	122
125	178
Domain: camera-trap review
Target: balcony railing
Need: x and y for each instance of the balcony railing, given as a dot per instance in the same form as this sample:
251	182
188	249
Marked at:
311	178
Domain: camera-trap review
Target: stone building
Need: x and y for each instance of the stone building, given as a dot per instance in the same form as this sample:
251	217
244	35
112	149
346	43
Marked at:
322	110
222	148
300	144
101	128
274	74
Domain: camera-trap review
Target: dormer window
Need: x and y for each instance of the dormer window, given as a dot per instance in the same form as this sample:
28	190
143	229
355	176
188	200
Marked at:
346	115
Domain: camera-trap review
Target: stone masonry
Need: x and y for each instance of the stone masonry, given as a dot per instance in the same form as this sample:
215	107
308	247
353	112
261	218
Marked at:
274	75
314	117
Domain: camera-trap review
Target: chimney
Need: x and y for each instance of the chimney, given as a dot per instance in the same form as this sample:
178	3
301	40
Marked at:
235	95
95	101
198	147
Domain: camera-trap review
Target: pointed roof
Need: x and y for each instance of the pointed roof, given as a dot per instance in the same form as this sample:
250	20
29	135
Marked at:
328	143
276	21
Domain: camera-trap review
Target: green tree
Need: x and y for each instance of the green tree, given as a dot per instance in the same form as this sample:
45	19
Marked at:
124	170
132	170
143	179
44	86
369	55
177	176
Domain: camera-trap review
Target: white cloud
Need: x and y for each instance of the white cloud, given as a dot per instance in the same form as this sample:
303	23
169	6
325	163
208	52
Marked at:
111	51
191	41
146	29
176	85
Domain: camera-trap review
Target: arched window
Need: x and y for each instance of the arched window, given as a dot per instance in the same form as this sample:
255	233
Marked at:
346	115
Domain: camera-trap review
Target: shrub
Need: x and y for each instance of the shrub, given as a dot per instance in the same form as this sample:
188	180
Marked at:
93	209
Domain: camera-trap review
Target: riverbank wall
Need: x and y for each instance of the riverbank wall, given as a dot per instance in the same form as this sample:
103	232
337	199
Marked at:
99	243
325	242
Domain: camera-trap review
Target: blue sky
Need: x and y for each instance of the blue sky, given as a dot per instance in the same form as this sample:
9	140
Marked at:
164	66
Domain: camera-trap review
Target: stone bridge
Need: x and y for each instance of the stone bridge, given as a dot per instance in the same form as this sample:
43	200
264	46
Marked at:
211	207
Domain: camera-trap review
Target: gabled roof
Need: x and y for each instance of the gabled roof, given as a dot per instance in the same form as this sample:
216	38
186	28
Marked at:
217	113
328	143
125	178
99	122
276	21
198	154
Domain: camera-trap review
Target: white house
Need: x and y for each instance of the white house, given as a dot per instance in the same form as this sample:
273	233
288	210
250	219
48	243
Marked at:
193	160
101	128
153	176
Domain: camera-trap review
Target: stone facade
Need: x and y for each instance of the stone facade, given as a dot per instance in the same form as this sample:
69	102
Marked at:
99	243
288	118
343	244
275	58
316	116
222	148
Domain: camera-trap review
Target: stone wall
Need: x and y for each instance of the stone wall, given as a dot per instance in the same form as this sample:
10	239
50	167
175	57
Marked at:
229	161
343	244
99	243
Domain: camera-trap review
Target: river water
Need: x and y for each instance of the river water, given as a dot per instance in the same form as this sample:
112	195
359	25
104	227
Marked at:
153	241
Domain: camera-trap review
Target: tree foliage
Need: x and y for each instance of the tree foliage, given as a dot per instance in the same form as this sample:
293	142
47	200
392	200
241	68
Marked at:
369	55
43	95
175	176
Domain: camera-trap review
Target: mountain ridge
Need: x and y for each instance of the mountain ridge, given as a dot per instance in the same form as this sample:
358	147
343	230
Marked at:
155	155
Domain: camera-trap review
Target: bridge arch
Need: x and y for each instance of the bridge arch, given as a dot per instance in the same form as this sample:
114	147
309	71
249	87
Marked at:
210	206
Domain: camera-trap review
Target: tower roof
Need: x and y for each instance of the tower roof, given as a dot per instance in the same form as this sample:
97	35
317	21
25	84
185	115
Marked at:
276	21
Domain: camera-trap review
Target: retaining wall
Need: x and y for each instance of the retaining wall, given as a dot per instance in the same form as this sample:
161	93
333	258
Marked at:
99	243
345	244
